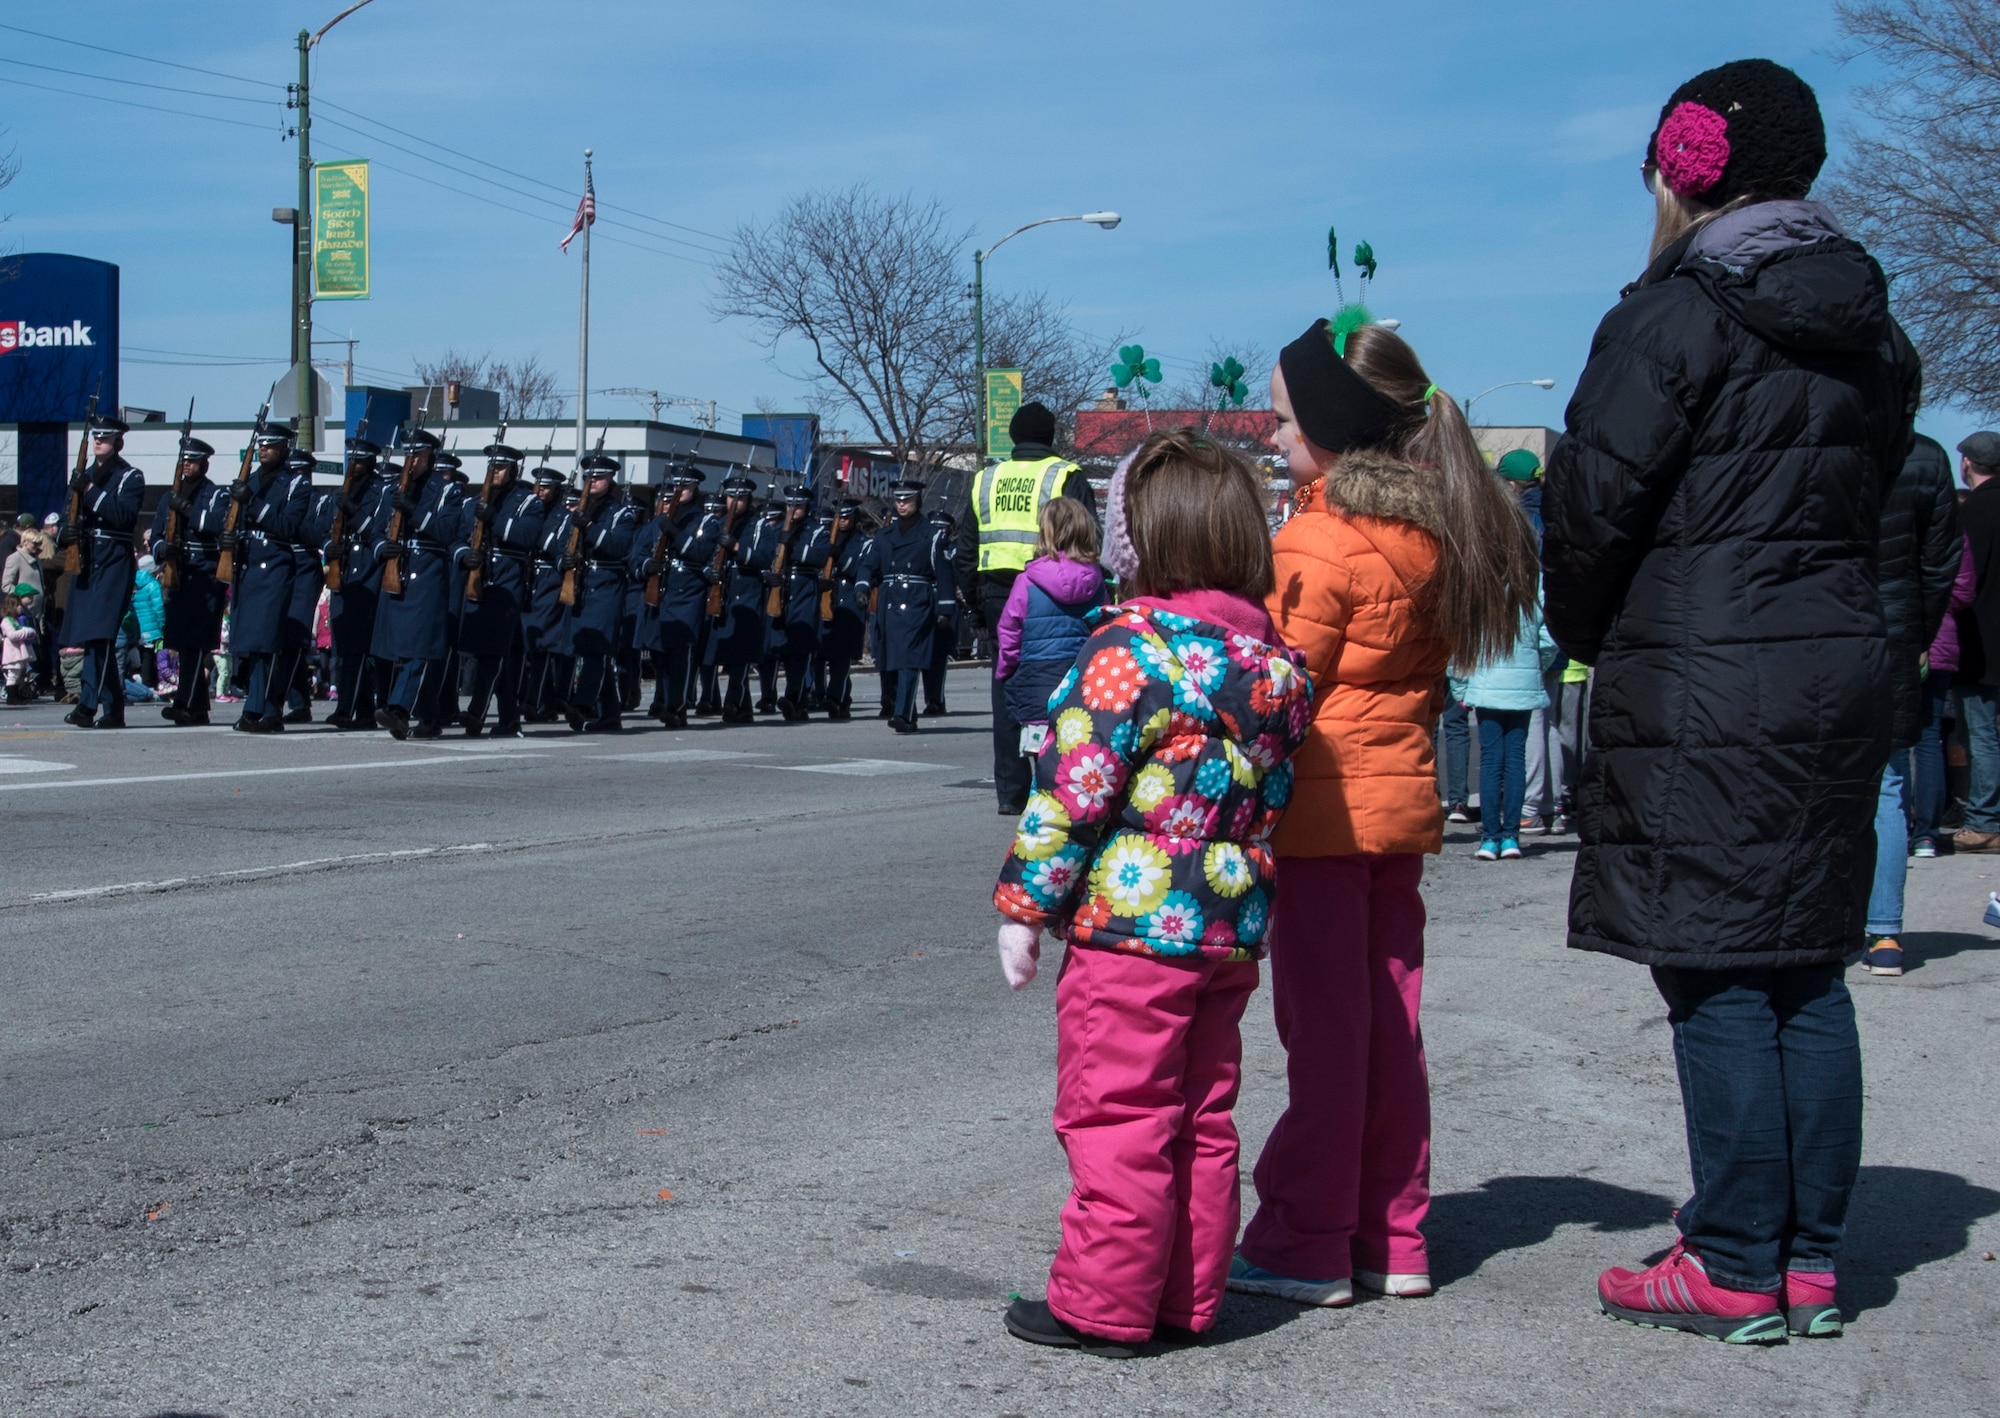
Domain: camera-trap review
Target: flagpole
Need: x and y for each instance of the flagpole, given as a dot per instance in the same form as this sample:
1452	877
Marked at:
583	330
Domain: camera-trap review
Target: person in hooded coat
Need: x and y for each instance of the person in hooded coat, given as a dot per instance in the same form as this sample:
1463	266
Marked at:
1711	521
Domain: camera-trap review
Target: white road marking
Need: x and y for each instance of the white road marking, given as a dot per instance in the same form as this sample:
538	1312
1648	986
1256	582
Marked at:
502	747
677	755
126	888
67	783
33	765
857	767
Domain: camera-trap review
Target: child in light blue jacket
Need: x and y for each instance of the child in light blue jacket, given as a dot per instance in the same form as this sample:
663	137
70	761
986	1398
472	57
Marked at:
1505	692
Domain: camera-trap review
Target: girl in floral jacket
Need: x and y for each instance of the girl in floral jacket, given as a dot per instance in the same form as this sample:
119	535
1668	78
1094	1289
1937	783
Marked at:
1147	848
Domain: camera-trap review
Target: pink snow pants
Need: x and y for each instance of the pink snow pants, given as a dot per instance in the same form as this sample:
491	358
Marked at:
1344	1179
1148	1062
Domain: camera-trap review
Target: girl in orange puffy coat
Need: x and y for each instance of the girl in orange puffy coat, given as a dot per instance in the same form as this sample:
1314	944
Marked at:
1405	553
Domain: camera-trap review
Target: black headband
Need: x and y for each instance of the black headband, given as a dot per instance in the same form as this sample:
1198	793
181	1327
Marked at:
1336	408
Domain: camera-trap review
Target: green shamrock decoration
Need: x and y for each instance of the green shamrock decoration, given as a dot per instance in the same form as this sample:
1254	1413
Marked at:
1333	262
1134	369
1227	377
1364	260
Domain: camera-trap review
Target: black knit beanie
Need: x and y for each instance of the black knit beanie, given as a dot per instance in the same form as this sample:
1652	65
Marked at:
1748	128
1336	408
1032	423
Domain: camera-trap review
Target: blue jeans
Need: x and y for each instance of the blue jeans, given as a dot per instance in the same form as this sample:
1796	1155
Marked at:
1454	751
1770	1074
1982	743
1503	770
1929	789
1892	849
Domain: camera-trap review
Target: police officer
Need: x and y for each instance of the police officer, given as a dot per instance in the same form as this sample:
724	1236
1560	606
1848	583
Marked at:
600	567
489	625
351	608
807	549
270	516
107	494
308	580
997	529
415	526
547	668
684	542
736	637
947	640
448	466
844	627
772	524
192	629
911	564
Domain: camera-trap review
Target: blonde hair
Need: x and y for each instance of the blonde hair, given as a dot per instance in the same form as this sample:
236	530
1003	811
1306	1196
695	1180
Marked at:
1196	517
1066	528
1674	216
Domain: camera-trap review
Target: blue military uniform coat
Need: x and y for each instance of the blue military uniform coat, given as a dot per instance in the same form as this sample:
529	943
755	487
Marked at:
846	634
684	589
268	528
351	609
542	622
740	634
810	545
107	516
911	564
410	625
591	627
489	625
308	567
197	602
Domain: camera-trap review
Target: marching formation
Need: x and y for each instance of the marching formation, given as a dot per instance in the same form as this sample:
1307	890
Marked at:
520	598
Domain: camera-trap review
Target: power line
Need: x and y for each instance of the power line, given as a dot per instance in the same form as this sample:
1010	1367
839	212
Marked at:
128	103
145	58
136	83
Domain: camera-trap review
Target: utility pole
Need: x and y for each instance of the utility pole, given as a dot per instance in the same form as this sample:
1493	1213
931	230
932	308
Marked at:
302	370
583	328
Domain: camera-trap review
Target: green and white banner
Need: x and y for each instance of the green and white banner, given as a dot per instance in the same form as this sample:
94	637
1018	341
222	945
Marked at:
340	230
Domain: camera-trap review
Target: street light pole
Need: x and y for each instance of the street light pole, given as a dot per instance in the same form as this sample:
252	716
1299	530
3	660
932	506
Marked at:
1510	384
1106	220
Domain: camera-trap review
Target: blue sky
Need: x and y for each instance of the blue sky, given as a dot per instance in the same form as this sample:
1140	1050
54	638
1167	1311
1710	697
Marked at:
1488	151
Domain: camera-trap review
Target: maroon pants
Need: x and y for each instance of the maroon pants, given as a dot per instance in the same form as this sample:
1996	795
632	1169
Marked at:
1344	1179
1148	1061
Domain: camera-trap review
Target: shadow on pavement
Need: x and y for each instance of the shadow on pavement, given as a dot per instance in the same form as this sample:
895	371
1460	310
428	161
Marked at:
1467	1229
1902	1218
1922	947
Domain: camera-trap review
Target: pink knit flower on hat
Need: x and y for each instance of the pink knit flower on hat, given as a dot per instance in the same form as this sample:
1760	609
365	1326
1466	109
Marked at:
1692	149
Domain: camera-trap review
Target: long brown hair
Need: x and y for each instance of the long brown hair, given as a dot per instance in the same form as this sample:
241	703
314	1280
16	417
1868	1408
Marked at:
1066	529
1489	573
1196	519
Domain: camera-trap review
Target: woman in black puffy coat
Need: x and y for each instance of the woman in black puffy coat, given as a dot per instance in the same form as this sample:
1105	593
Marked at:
1712	518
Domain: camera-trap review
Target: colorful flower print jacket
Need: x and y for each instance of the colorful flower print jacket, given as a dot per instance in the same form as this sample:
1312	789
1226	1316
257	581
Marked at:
1166	767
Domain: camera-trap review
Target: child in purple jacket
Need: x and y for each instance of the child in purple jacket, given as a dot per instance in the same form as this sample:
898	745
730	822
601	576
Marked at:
1044	623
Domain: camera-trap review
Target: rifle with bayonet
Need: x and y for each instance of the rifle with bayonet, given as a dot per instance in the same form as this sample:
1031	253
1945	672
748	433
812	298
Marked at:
225	564
73	513
475	576
723	548
168	567
336	535
392	569
774	603
662	540
833	539
585	510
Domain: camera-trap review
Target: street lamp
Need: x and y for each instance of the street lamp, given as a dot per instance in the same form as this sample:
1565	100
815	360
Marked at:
307	389
1511	383
1107	220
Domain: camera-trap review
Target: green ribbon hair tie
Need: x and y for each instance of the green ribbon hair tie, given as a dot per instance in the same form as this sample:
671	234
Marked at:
1431	392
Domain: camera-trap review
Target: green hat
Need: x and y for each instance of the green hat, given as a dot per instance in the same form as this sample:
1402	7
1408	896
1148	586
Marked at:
1519	466
24	589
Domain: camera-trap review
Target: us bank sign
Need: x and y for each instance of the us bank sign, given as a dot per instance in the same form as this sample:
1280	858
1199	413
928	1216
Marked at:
58	338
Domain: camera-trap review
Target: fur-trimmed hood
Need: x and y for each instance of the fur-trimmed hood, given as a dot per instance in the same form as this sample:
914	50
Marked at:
1371	484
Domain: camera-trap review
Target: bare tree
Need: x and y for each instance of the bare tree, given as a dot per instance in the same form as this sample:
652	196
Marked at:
875	288
1919	187
455	366
1193	390
527	389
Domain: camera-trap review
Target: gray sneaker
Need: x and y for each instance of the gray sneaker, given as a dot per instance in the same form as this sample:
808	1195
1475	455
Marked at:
1248	1279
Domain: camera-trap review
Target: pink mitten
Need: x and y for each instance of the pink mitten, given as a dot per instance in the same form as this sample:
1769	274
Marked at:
1020	948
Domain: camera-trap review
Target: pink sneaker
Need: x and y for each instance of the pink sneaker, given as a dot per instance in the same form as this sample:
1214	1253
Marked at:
1810	1310
1677	1294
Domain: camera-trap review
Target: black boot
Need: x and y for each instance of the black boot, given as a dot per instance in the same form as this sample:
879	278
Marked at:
395	720
81	717
1031	1320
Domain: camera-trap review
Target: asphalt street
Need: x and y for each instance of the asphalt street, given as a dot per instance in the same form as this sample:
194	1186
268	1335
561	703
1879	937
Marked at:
674	1073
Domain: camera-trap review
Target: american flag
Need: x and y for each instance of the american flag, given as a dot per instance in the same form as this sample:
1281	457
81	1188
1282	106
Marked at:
586	212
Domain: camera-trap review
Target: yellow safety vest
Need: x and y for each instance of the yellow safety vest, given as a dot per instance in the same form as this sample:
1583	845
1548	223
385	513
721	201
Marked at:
1007	498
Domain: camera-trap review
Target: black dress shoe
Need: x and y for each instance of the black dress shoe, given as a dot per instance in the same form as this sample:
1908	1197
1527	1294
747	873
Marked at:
1032	1321
257	724
194	720
473	727
81	717
611	724
340	719
301	715
434	729
934	711
508	729
840	715
903	726
791	710
1013	809
110	721
575	717
394	720
886	712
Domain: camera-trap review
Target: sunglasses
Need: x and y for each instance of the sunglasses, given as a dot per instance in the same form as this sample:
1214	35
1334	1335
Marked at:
1648	171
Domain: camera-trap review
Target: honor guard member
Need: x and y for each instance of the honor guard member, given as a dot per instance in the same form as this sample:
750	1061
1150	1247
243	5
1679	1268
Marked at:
194	510
448	466
106	495
771	522
843	610
652	553
947	640
547	668
997	530
629	664
490	625
807	548
308	580
351	607
685	545
415	525
271	509
600	565
736	639
912	566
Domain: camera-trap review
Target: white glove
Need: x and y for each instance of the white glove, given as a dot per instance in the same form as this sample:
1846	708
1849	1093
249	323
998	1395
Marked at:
1020	948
